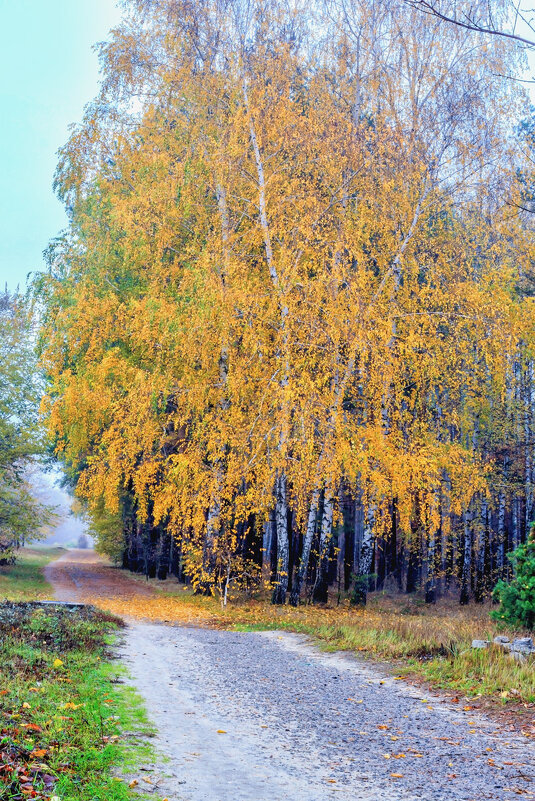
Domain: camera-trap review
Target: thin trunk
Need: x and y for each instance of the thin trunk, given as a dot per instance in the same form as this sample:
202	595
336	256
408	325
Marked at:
321	586
479	589
362	578
430	584
500	552
283	546
214	510
307	547
467	559
515	524
528	446
281	509
341	549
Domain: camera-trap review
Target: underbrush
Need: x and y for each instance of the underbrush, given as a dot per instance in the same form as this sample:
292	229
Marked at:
482	672
62	707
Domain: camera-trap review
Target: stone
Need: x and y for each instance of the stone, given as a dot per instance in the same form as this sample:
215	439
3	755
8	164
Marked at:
518	656
523	645
505	642
480	643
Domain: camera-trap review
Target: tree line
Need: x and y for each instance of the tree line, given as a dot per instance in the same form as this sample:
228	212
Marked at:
22	515
288	333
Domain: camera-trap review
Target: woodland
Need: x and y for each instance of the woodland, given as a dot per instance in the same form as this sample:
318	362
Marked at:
288	334
21	440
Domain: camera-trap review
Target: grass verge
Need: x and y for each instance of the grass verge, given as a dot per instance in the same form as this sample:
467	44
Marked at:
63	710
24	580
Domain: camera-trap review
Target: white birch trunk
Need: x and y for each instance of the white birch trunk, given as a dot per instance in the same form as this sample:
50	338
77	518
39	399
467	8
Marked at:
528	416
500	554
307	547
467	558
283	545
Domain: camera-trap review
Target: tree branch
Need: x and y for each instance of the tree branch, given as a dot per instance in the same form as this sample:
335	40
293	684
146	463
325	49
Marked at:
468	24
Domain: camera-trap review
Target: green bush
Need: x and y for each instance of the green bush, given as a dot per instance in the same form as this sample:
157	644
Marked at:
517	598
361	588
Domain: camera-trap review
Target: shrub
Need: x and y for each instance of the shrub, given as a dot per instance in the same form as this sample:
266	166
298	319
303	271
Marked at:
517	598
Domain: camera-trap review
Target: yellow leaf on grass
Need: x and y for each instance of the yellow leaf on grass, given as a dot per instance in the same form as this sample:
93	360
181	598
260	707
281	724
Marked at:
57	663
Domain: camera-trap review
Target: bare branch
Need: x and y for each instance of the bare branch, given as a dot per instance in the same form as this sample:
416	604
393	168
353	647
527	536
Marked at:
467	23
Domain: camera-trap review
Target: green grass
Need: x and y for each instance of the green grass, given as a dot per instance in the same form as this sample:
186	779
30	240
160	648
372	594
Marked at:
24	580
63	709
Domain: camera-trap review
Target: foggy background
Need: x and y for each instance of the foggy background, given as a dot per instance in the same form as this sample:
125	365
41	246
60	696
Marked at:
67	527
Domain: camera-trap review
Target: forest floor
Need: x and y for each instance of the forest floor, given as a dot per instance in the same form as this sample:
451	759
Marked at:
249	714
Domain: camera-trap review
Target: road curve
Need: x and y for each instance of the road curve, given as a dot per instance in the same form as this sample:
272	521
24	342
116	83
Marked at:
245	716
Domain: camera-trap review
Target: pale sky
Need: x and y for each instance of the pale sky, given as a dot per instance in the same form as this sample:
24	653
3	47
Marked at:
48	72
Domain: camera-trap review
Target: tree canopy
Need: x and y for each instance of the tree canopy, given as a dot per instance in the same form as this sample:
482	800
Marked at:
290	326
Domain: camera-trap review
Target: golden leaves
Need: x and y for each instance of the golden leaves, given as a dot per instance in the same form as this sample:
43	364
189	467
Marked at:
185	377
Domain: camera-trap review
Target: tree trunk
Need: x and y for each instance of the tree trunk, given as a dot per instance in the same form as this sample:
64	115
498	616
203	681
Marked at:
480	582
500	551
321	586
283	546
467	559
362	578
430	584
307	546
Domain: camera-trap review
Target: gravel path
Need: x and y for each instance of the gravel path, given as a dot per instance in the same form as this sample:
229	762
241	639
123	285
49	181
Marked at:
266	717
296	723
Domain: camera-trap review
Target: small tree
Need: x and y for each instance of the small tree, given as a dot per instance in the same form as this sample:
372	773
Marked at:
517	598
83	541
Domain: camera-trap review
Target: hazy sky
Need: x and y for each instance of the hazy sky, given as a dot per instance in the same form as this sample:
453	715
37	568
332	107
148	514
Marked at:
48	72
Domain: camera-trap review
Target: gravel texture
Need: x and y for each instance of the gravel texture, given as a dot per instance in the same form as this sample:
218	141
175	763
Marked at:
267	716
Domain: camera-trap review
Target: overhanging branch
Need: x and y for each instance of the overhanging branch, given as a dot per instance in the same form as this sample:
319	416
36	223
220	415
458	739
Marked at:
467	23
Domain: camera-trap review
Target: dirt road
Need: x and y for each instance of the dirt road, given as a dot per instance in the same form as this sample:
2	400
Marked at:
80	575
266	717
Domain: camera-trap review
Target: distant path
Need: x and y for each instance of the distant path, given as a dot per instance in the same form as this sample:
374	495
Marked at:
80	575
267	717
